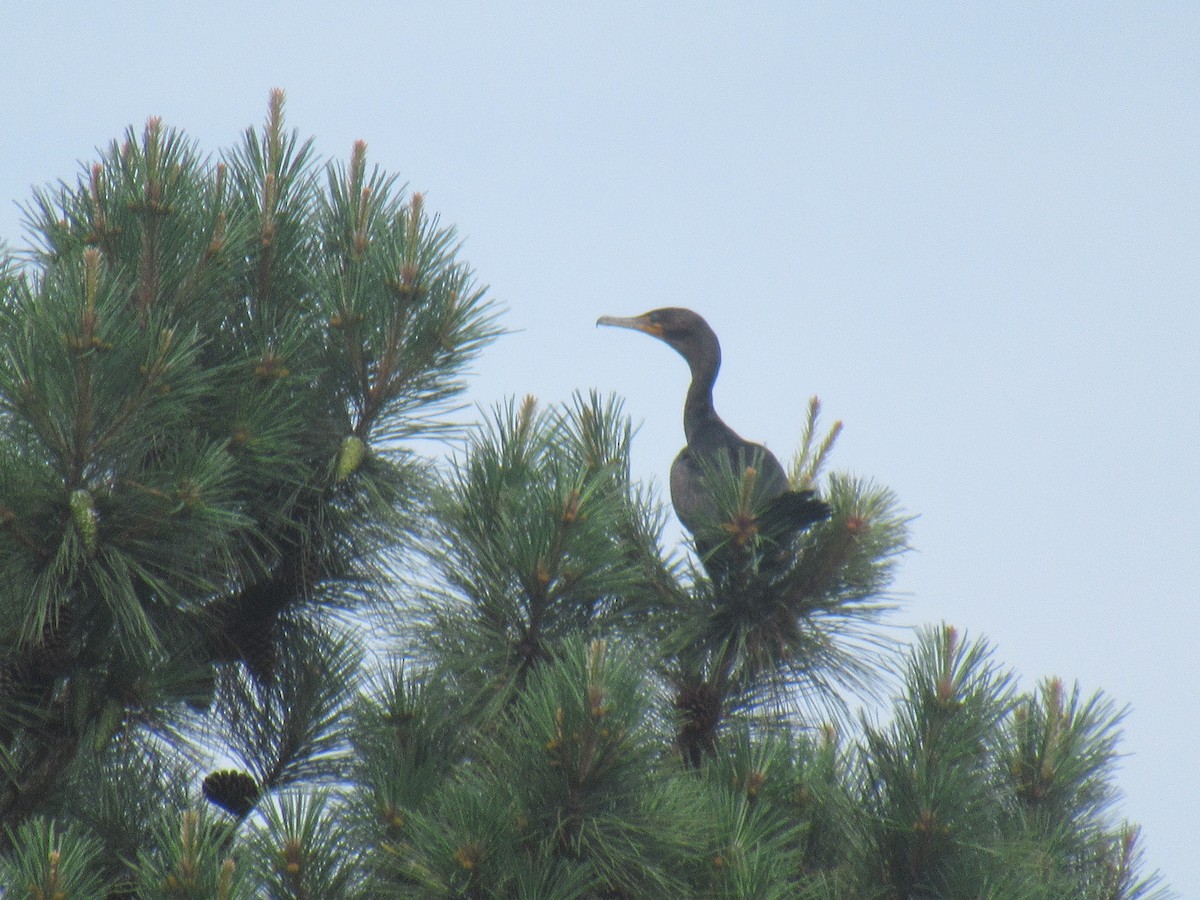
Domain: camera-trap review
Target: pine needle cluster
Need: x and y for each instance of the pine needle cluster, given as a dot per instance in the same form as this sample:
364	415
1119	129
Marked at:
253	645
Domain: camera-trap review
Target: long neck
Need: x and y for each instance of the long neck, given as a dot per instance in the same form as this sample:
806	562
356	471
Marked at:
698	407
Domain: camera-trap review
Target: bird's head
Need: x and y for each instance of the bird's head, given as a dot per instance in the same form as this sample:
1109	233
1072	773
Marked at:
683	329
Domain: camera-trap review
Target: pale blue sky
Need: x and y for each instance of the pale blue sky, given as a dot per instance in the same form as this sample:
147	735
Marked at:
973	231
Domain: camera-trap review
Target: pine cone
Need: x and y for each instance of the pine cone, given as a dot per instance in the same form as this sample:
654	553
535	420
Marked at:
260	656
350	456
700	709
233	791
244	627
83	509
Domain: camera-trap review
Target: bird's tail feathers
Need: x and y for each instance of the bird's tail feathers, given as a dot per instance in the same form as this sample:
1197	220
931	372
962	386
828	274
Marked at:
791	512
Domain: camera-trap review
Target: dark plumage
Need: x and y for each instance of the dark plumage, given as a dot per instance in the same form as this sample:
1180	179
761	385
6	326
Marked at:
711	444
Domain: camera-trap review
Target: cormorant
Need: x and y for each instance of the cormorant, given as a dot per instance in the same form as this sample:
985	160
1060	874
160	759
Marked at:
709	438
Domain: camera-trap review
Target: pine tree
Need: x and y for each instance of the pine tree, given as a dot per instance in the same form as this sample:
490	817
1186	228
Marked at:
253	645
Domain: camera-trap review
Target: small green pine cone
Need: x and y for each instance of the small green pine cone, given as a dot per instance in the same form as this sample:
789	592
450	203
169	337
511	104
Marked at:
350	456
83	508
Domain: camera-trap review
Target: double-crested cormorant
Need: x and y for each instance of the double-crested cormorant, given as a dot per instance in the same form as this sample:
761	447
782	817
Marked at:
708	437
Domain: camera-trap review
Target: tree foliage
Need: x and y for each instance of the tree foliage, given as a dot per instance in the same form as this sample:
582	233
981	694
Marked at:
253	645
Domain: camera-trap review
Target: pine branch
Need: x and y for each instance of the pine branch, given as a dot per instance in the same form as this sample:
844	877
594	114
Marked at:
47	861
929	779
190	860
811	456
292	730
299	850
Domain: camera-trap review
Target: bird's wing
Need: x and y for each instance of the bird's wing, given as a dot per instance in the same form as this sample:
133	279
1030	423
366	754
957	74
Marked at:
693	501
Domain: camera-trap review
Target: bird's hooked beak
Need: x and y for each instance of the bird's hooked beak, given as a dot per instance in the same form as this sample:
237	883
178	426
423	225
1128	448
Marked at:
637	323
